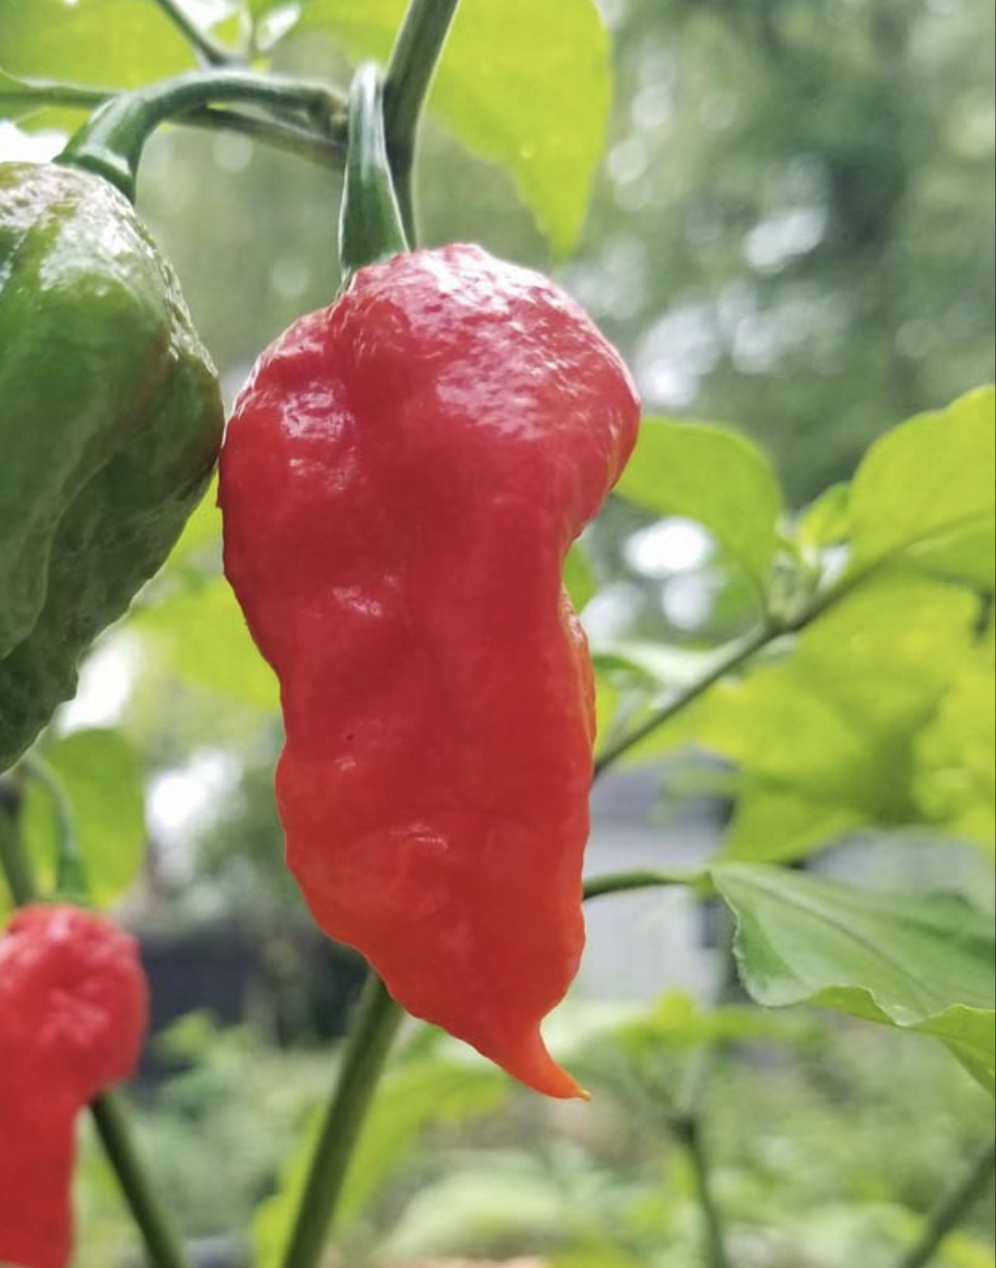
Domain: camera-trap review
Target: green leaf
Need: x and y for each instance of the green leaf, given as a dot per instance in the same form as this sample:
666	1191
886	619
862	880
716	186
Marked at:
826	739
259	9
579	579
773	823
104	43
203	633
203	529
102	779
525	85
410	1100
956	757
925	496
827	522
918	962
883	656
962	1250
712	475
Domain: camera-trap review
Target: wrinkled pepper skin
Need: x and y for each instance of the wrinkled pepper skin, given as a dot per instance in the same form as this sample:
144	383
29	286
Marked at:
401	482
73	1015
110	423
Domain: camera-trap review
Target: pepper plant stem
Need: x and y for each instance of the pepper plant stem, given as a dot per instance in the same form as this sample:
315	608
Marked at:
111	144
742	653
689	1126
409	77
953	1209
630	882
689	1133
162	1241
316	146
208	49
71	882
14	862
370	227
324	148
366	1054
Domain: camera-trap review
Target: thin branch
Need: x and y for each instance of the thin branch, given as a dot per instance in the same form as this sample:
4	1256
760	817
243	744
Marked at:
327	148
689	1133
688	1124
742	653
952	1210
70	871
737	657
207	49
409	77
162	1241
631	882
367	1050
15	866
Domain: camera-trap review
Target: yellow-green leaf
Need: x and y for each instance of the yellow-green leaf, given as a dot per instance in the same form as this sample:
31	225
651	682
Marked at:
204	634
714	476
925	495
108	43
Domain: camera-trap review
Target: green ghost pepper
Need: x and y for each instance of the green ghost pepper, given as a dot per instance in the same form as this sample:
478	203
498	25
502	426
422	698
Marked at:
110	423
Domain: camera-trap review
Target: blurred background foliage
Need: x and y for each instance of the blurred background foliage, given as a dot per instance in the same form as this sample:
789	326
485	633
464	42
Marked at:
791	233
824	1142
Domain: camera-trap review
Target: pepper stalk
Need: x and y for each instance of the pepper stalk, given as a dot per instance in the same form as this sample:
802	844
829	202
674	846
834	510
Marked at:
112	142
370	226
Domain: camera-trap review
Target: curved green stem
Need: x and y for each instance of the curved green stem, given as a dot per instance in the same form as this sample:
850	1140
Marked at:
15	866
70	871
409	77
370	228
208	49
324	147
111	144
953	1209
367	1051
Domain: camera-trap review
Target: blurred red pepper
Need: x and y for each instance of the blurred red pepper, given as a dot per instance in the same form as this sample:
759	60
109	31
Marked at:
73	1014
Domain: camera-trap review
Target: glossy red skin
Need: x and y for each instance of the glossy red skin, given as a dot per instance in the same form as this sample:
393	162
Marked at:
401	481
73	1015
